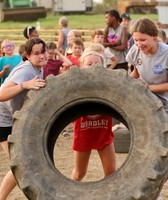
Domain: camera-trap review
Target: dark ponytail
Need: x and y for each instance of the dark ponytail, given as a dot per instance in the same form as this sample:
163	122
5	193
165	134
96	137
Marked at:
114	13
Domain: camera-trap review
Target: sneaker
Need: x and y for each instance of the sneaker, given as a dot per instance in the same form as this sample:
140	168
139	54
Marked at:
159	197
65	133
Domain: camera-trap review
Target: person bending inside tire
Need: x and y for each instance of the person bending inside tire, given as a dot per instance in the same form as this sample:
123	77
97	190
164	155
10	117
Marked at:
93	132
27	75
150	60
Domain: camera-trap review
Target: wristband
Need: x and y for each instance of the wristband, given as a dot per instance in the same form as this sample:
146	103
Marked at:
21	86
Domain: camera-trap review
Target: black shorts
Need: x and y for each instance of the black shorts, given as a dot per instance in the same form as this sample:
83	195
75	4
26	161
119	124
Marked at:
4	132
122	66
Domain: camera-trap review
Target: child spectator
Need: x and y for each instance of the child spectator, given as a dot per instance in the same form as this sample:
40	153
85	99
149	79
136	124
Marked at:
162	36
74	58
9	60
30	32
98	37
125	20
21	49
131	41
62	36
53	65
77	50
159	25
71	35
88	136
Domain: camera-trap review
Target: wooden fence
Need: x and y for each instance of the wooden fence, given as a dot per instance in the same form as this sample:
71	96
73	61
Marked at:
16	35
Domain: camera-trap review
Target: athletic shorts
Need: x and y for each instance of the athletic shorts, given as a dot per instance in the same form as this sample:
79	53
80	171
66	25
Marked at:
4	132
122	66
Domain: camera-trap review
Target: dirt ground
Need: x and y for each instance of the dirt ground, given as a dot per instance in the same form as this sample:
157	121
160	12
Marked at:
64	162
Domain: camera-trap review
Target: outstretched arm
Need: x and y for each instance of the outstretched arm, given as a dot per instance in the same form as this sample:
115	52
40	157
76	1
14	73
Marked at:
10	89
163	87
4	70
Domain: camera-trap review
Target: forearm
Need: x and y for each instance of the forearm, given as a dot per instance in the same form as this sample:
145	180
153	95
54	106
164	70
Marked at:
11	89
111	45
7	93
64	59
163	87
119	47
2	73
107	44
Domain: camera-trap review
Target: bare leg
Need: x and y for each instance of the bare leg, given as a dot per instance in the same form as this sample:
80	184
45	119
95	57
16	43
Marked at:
4	145
9	181
81	160
7	185
108	159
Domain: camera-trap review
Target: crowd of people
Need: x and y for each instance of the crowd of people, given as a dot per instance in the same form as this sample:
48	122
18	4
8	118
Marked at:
137	46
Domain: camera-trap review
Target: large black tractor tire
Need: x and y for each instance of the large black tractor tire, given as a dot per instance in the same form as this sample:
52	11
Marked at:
78	92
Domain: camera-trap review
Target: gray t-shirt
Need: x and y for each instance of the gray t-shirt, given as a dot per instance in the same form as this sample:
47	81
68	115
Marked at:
152	69
5	114
117	34
22	73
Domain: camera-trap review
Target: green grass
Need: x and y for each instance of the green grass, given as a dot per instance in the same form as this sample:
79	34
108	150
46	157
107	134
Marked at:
75	21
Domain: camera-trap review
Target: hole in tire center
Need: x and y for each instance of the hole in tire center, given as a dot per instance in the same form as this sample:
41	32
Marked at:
63	154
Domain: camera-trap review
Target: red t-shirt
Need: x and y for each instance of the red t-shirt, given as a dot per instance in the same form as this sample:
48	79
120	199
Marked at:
74	60
92	132
52	67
